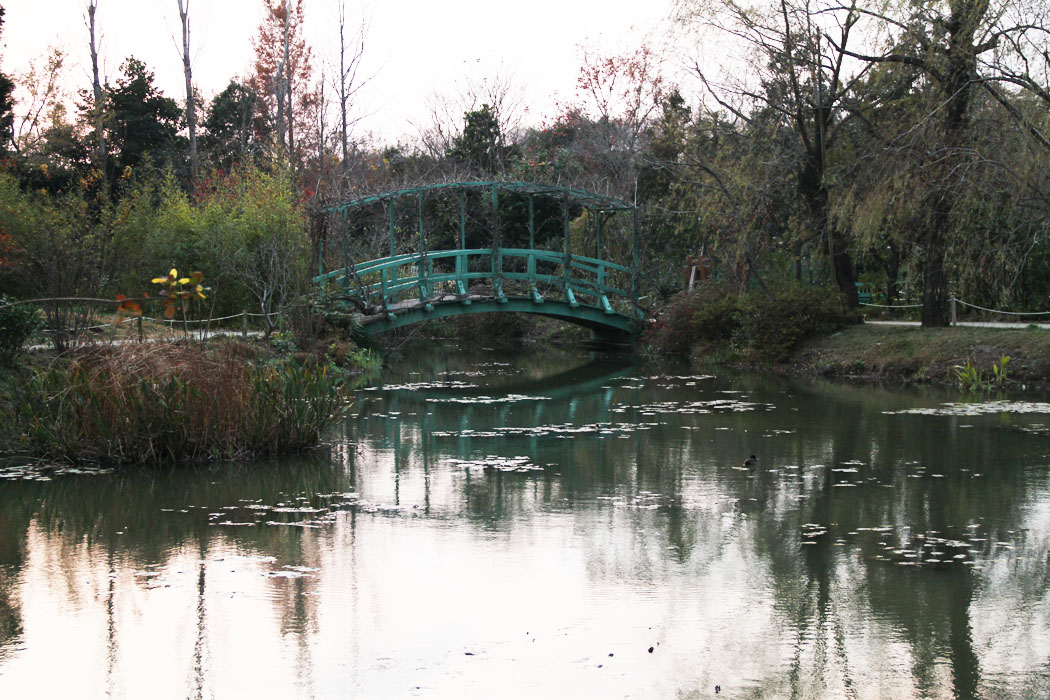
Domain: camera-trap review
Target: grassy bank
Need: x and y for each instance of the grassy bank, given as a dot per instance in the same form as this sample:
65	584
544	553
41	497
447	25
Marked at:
168	402
909	354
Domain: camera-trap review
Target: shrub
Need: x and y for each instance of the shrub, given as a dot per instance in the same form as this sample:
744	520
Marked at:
671	332
772	323
764	325
717	317
135	404
17	325
706	315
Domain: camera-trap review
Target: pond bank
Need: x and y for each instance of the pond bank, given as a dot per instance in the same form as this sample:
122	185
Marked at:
913	355
173	402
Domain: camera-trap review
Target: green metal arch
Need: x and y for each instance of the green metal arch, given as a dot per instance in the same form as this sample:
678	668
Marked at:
558	283
591	200
602	324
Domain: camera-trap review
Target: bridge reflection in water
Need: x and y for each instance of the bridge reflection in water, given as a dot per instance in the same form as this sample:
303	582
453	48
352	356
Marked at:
399	560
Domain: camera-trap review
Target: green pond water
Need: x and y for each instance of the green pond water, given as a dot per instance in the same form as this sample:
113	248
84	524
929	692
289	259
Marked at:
555	525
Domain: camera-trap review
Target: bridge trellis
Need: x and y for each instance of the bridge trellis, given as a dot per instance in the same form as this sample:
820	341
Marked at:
406	287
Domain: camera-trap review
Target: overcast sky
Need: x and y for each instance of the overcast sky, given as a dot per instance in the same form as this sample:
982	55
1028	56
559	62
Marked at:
414	48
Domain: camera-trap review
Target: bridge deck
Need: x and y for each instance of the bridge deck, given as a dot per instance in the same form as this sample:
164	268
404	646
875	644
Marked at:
605	324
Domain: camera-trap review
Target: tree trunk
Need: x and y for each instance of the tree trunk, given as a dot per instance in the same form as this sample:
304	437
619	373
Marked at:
286	78
956	89
96	91
843	267
891	265
343	96
280	84
191	109
934	279
811	184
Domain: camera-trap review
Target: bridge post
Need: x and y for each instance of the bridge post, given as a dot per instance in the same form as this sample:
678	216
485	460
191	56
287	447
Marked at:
635	281
463	221
497	251
530	270
532	223
424	278
320	265
390	225
598	235
567	263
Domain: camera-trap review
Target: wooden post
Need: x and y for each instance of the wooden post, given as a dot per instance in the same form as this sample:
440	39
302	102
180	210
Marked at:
138	323
244	323
955	318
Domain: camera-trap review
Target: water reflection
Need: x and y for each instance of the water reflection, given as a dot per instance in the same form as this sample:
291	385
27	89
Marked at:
552	518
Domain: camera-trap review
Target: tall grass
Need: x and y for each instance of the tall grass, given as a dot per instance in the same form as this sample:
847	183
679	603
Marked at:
155	402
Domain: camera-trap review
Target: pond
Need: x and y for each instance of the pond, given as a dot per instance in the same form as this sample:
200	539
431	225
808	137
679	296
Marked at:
551	523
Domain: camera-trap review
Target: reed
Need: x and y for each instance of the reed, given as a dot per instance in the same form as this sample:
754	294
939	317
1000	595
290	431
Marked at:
142	403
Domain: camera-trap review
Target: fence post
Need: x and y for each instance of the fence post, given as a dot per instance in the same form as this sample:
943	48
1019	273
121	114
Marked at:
244	324
139	324
955	317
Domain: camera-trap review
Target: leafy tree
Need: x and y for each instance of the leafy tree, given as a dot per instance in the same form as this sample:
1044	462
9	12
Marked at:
67	245
142	121
254	225
958	47
480	147
232	128
666	142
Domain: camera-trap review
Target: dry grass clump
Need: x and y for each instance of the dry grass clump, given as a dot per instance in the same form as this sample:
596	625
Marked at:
169	402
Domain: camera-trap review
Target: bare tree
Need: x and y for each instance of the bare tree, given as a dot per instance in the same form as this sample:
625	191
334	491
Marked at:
618	98
98	106
191	110
349	82
283	77
803	88
43	85
503	95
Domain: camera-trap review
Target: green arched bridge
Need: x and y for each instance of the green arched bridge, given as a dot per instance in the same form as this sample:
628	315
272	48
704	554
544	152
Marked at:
479	247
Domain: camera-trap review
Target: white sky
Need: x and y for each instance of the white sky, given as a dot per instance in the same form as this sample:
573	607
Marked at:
414	48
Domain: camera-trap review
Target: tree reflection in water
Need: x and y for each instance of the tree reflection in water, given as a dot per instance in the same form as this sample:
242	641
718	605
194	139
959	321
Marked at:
597	502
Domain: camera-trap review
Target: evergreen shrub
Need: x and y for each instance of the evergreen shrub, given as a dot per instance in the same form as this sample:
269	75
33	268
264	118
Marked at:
761	324
17	326
772	323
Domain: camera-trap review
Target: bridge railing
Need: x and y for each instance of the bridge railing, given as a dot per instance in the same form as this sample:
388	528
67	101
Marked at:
432	275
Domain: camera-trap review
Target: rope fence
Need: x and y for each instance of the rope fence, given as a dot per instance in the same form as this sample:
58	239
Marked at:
138	319
953	301
1000	311
891	306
